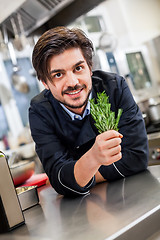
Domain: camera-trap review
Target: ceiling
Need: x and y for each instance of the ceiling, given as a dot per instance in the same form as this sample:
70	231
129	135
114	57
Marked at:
39	15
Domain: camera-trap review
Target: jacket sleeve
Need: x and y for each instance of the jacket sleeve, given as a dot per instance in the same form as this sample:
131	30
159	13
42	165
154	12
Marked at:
134	142
56	161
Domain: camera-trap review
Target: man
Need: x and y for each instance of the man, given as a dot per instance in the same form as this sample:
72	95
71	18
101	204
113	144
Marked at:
74	156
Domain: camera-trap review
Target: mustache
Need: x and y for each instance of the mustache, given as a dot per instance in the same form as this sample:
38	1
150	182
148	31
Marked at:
75	88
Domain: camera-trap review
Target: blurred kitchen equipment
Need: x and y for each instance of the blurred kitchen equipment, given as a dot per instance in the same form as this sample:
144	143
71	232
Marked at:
27	151
38	180
28	196
3	47
154	110
23	38
21	171
146	118
107	42
19	81
10	208
13	157
17	40
1	40
156	154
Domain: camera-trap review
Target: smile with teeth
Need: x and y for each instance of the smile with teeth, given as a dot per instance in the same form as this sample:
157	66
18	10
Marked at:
73	93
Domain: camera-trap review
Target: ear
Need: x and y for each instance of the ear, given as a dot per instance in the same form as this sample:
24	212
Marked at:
45	85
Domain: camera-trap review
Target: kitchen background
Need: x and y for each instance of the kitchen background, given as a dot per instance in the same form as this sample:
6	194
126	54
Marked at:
126	37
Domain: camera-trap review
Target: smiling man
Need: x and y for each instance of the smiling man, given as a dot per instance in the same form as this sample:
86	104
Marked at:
74	156
71	81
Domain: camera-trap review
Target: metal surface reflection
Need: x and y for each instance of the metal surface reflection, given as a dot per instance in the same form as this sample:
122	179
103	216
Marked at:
110	206
124	209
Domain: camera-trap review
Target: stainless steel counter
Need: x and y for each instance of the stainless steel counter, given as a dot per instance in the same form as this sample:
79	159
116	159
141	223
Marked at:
125	209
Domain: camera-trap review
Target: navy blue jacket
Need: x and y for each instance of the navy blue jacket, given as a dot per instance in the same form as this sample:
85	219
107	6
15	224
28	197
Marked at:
60	142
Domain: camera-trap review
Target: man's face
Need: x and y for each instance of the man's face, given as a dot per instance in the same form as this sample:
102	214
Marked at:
71	79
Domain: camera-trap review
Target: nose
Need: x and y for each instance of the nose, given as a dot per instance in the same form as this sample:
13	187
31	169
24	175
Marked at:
71	79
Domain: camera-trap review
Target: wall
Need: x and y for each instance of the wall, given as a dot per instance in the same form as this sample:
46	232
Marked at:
138	21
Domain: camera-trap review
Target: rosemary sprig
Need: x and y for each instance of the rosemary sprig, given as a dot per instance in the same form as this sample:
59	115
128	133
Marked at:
101	112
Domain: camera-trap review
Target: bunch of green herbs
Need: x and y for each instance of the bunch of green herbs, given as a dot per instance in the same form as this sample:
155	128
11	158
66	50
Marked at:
103	115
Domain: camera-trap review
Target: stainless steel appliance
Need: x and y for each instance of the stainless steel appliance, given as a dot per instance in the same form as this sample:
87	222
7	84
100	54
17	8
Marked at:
10	208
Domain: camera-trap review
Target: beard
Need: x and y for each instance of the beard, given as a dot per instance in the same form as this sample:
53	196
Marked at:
80	105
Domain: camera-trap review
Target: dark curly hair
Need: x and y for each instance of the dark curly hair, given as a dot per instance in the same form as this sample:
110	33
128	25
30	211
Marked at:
56	41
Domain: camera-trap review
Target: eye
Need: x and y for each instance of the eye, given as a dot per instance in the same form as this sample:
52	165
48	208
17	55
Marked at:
78	68
58	75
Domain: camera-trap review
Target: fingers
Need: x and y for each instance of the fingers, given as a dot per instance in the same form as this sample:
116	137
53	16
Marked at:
111	143
114	151
112	155
114	158
109	140
109	134
108	148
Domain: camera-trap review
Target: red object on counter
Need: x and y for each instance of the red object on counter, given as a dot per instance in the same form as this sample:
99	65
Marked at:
36	180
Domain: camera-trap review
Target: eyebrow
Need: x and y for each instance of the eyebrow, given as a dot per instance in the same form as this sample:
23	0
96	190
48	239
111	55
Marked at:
62	70
78	63
56	70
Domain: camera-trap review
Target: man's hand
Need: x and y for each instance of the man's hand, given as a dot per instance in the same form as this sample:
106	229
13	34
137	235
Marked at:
105	151
107	148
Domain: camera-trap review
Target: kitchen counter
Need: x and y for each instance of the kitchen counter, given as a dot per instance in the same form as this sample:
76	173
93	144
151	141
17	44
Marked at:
124	209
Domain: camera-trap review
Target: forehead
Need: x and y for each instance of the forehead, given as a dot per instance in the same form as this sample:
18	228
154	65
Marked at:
66	59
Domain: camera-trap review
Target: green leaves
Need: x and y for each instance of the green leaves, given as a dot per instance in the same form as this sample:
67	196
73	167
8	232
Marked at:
101	112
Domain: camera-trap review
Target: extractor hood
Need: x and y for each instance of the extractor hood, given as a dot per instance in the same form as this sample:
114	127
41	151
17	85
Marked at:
40	15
